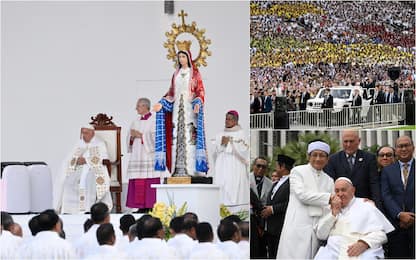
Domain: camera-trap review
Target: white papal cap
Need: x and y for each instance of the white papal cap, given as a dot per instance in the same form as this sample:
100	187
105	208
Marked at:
318	145
344	179
88	126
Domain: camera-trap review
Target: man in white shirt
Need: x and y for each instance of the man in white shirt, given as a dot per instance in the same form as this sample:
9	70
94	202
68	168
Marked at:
150	244
310	192
8	241
106	238
47	244
354	228
184	240
229	234
206	249
244	243
126	221
100	214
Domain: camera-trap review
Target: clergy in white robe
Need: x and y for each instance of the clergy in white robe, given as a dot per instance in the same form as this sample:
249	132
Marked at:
230	235
106	238
9	242
354	229
310	192
150	248
88	242
207	250
244	246
106	252
85	180
183	244
9	245
231	163
151	244
231	250
47	244
140	170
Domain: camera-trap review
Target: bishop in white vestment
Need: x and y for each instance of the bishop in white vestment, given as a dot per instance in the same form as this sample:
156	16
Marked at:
231	163
310	192
355	229
86	180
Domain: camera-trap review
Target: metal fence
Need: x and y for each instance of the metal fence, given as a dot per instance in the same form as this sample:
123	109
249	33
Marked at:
363	116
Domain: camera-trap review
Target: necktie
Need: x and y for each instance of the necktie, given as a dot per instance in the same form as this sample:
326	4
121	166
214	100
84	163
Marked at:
405	174
388	98
351	161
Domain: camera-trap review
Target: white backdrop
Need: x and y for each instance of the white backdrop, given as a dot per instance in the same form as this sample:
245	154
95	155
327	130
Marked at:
62	62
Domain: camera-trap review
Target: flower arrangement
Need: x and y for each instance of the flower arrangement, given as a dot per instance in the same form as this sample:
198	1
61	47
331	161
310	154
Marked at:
166	214
225	212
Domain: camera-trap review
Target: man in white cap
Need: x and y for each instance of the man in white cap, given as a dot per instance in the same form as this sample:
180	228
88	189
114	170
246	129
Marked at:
86	180
355	228
310	193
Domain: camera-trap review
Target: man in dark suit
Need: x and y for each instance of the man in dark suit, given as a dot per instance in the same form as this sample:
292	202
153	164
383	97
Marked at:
377	99
257	106
356	107
260	185
391	96
275	210
327	104
398	194
304	96
268	104
358	166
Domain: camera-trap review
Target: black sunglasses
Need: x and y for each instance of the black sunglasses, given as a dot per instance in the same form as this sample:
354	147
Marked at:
261	166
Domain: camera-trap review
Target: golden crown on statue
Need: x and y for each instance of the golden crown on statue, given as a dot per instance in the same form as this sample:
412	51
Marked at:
183	45
186	45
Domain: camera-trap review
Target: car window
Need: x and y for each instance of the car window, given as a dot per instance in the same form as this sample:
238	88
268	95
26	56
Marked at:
338	93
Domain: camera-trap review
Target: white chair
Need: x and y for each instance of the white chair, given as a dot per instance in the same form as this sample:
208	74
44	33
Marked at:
40	187
16	185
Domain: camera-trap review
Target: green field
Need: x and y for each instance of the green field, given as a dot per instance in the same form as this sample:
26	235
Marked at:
405	127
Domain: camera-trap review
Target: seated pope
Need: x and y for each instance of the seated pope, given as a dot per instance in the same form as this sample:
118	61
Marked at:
85	180
353	227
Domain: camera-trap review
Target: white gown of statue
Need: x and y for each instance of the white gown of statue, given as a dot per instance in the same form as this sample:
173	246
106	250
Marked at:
182	108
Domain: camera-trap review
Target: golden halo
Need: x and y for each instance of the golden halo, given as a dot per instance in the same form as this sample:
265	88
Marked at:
197	33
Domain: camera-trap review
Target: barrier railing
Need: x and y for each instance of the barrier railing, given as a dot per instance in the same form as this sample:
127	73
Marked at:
363	116
262	121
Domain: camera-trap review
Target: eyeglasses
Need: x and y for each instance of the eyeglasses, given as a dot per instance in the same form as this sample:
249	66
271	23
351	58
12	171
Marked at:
388	155
400	146
261	166
316	155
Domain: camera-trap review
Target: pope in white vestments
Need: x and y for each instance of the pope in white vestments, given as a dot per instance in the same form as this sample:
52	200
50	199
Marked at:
355	229
86	180
310	192
231	163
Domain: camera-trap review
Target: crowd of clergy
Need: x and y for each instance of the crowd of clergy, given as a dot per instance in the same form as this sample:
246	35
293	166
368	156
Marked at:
351	203
143	238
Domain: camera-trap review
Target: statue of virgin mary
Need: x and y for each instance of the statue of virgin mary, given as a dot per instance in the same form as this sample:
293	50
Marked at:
180	131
